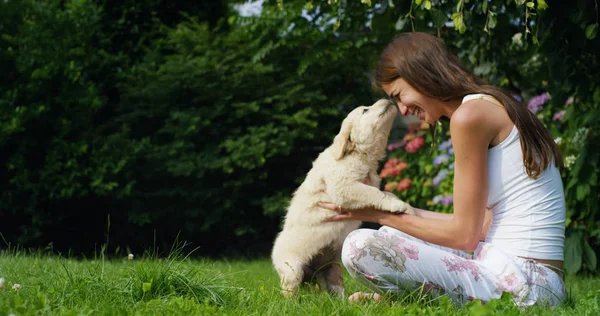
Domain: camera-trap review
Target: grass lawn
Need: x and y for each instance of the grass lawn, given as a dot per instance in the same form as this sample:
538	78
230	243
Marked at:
54	285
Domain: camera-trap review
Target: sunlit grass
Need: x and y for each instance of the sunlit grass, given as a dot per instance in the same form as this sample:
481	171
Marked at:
177	285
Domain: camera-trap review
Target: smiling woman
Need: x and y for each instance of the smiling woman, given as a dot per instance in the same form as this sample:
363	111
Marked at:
505	161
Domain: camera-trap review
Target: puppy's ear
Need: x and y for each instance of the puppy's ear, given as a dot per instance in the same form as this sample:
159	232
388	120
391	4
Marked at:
342	144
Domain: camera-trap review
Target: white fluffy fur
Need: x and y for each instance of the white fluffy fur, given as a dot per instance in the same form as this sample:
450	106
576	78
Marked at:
309	249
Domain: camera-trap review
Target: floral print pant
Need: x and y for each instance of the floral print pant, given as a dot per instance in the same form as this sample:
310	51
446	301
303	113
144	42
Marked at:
388	260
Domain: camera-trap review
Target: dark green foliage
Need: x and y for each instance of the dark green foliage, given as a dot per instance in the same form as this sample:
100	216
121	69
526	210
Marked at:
182	116
203	134
229	132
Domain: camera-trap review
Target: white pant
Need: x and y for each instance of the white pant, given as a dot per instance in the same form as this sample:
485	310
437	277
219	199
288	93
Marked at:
388	260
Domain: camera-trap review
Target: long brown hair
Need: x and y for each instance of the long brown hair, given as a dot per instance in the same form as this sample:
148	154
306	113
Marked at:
426	64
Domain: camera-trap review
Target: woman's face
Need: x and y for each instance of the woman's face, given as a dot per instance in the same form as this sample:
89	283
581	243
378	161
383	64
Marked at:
411	102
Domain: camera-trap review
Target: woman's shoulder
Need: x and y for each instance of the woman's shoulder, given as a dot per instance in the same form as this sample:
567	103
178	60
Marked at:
478	119
473	114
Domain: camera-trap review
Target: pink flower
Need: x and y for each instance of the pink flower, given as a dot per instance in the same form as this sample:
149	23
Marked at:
459	264
558	116
391	163
404	184
536	103
411	251
393	167
354	251
386	173
447	200
390	186
569	100
415	144
509	283
396	145
402	166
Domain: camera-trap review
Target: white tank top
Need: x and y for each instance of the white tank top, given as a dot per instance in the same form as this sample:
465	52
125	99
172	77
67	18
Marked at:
528	215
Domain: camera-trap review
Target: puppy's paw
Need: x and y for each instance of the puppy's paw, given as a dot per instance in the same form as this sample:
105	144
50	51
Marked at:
400	206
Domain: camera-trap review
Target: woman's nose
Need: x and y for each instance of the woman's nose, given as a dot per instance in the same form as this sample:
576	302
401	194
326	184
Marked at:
403	109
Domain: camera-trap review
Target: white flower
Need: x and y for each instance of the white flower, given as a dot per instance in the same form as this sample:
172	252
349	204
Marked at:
580	135
558	140
16	286
130	257
2	283
569	161
517	39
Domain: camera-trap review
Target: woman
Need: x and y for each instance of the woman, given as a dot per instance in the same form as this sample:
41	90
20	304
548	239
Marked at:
505	162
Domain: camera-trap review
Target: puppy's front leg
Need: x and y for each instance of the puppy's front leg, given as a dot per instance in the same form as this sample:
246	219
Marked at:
374	179
358	195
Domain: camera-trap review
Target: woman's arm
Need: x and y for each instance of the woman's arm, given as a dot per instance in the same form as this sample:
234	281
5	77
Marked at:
429	214
487	221
471	135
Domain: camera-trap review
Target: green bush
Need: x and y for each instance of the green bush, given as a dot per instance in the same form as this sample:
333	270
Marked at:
229	132
206	125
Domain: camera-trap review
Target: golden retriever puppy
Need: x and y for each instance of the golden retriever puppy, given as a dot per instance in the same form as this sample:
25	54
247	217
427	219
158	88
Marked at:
308	249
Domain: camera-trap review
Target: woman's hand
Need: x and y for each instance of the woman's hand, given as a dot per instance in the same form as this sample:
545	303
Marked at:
368	214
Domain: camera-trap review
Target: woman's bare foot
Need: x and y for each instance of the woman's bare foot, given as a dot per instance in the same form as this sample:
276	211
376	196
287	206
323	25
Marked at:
362	297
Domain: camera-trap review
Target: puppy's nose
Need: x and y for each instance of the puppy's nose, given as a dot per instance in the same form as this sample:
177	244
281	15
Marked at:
383	102
387	100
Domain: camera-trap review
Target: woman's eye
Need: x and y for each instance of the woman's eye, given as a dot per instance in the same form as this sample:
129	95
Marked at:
365	110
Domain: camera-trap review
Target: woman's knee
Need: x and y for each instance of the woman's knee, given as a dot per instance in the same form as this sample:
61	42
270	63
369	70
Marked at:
353	248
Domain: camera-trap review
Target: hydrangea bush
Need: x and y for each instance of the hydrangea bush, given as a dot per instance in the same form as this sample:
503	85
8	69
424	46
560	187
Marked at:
418	173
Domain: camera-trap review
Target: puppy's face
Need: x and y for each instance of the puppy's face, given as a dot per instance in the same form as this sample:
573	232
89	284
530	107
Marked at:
365	127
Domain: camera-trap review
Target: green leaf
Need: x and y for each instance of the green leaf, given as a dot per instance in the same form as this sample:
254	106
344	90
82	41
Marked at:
438	17
459	24
492	20
530	5
590	256
484	6
459	5
337	24
146	287
418	2
582	191
427	5
594	178
520	2
573	253
591	31
542	5
400	23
